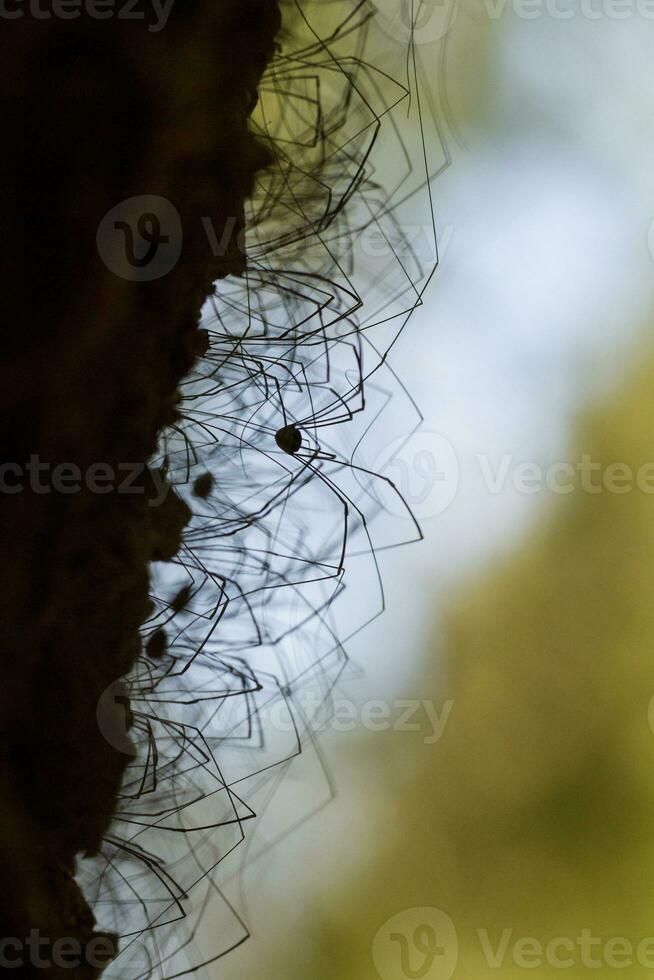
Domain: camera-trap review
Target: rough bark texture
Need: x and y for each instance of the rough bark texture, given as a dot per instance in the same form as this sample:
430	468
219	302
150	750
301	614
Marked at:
95	112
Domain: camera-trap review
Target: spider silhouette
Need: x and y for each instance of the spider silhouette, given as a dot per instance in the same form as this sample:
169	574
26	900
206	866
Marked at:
289	439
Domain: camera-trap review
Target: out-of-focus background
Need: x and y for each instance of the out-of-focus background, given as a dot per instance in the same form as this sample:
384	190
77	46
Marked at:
495	757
